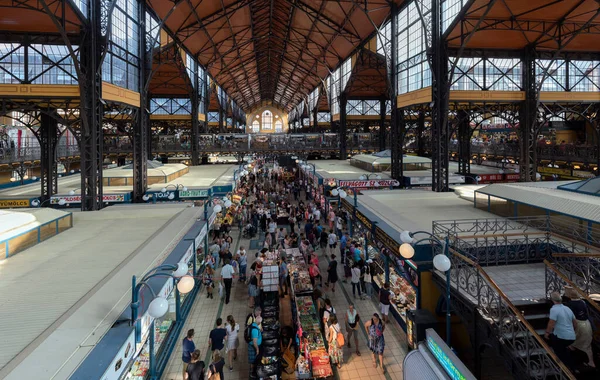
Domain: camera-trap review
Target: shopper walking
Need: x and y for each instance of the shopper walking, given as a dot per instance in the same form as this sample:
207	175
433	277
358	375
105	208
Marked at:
283	277
227	276
336	354
384	301
332	276
355	280
315	274
583	331
188	347
243	261
375	327
332	241
352	320
254	343
217	364
216	338
233	341
561	329
368	279
194	370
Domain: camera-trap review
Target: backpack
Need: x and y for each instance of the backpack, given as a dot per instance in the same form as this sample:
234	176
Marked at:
249	327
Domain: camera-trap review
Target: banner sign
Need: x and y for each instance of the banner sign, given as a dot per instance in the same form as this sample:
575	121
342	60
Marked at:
201	236
113	198
546	170
453	366
203	193
14	203
387	241
120	361
364	220
369	183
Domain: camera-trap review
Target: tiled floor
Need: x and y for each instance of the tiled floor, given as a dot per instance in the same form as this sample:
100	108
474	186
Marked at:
204	314
520	282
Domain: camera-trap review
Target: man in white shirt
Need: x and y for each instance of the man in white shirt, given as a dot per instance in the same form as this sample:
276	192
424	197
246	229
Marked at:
317	214
272	228
332	241
227	275
214	251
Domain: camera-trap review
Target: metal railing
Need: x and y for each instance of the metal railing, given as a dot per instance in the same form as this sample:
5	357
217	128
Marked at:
556	281
531	355
582	270
10	155
586	153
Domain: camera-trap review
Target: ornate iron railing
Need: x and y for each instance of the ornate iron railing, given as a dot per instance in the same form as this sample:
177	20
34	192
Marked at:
556	281
581	269
12	155
583	153
531	355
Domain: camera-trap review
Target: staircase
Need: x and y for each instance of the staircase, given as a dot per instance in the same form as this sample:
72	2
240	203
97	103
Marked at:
518	329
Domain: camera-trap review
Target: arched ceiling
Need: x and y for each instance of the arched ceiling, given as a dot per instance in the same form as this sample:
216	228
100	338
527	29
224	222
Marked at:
271	50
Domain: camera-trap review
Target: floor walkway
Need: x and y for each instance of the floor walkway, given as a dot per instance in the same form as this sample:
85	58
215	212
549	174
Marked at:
205	312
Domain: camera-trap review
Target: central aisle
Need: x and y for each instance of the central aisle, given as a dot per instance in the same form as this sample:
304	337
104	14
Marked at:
205	312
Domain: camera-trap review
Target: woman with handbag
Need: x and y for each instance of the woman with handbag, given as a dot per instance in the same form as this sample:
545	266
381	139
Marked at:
336	342
375	327
584	333
232	340
215	369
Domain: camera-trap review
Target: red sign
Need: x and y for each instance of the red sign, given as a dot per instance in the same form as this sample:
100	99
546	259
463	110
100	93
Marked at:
370	183
487	178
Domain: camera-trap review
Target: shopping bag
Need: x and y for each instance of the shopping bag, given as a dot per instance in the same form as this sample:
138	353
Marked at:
221	290
341	341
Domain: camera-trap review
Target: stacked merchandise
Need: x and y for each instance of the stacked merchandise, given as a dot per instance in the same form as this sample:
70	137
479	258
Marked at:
313	361
269	361
404	294
299	276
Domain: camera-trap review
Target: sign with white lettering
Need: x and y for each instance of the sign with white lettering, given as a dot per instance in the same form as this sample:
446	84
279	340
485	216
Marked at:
201	237
369	183
201	193
116	198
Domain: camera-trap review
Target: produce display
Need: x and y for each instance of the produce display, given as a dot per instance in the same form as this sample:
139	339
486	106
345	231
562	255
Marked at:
140	367
312	345
299	276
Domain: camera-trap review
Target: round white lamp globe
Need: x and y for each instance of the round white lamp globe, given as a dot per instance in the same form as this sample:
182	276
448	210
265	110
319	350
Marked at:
478	178
441	263
377	176
13	179
343	194
218	208
185	284
182	270
171	196
158	307
185	188
335	192
407	251
34	178
145	197
228	203
62	202
405	237
35	203
163	190
362	177
72	192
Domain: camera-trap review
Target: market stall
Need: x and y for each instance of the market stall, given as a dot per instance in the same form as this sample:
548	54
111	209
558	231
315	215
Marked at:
313	359
299	277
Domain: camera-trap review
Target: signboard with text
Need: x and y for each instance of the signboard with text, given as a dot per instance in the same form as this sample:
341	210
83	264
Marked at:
453	366
113	198
201	193
14	203
369	183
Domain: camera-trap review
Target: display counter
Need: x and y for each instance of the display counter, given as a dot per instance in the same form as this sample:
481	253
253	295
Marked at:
405	295
299	277
314	359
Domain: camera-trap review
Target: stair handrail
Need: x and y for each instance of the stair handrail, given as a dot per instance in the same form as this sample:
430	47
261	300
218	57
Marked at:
551	287
565	372
583	268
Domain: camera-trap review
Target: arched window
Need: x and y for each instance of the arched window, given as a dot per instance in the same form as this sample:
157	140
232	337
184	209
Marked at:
267	120
278	126
255	126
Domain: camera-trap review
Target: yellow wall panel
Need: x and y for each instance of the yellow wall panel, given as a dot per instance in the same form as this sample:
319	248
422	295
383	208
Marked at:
33	90
414	97
488	96
571	96
114	93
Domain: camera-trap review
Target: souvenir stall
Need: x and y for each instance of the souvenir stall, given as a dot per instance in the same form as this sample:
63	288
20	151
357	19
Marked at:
313	359
268	365
299	276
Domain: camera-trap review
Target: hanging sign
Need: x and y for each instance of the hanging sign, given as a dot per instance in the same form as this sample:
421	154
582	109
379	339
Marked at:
364	220
203	193
113	198
14	203
369	183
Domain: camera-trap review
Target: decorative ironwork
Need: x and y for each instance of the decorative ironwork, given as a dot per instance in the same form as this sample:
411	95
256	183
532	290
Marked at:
581	269
517	337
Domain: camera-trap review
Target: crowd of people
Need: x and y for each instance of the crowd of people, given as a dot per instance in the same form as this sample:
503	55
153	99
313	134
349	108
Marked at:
275	207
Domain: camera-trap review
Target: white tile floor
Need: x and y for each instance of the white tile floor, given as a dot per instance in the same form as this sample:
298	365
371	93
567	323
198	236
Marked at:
521	282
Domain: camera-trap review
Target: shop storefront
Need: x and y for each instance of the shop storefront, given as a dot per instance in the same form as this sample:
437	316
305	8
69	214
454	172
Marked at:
404	276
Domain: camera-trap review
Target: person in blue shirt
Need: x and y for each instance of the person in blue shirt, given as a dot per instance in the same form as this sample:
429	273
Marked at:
283	276
254	344
561	329
343	242
188	347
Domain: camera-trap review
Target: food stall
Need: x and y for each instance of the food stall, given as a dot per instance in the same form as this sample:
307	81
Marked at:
313	360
